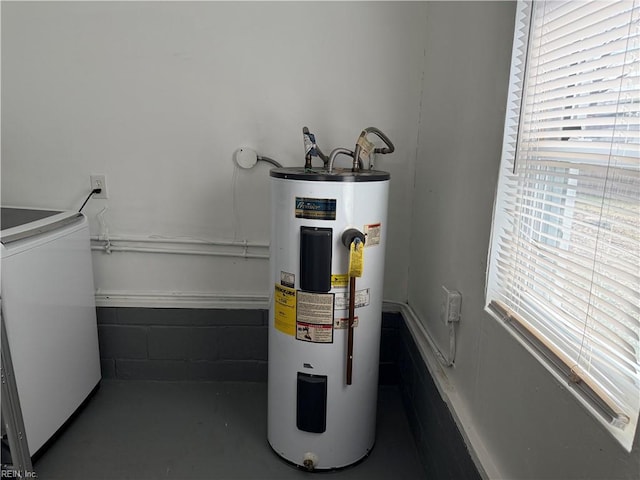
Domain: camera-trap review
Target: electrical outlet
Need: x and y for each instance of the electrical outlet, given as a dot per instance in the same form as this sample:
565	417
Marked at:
99	181
450	304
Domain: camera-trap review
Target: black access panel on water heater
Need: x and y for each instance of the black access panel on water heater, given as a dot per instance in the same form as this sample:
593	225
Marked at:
315	259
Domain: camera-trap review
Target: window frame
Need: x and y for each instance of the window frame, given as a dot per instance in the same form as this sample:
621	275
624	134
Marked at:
589	395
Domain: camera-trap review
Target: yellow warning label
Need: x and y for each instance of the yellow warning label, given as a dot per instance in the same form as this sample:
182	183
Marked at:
356	259
284	316
339	280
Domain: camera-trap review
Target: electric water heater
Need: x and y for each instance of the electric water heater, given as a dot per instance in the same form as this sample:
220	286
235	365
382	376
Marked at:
329	227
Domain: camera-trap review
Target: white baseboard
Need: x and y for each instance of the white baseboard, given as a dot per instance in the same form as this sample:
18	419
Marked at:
157	299
112	298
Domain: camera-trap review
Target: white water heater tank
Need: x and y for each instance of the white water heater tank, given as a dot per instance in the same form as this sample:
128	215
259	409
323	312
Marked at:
321	403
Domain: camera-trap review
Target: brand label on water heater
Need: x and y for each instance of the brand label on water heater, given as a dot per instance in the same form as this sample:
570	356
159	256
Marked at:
316	208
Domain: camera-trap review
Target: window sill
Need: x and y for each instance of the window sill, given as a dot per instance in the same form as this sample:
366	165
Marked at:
624	436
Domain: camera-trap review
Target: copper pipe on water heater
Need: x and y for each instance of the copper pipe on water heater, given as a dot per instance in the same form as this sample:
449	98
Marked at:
350	236
352	308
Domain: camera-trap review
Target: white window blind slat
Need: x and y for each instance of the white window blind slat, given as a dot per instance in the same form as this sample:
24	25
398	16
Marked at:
577	90
556	112
582	154
572	102
576	155
565	253
573	39
592	74
559	15
577	120
566	333
631	136
579	298
553	209
590	182
578	57
581	262
558	10
620	308
584	33
609	60
570	272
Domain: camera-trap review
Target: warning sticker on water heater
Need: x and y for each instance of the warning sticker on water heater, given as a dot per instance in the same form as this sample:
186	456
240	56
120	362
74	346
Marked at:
310	332
284	311
287	279
339	280
342	323
316	208
314	307
372	234
314	317
362	299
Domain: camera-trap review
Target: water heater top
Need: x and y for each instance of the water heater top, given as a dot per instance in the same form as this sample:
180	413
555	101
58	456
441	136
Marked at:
323	175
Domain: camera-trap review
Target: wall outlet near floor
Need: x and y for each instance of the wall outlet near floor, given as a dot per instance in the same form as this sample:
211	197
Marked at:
450	303
99	181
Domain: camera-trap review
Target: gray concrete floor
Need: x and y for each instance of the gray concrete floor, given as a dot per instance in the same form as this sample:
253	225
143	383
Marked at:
203	430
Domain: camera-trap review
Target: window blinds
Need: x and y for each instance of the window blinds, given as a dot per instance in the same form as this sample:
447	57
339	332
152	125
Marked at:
565	255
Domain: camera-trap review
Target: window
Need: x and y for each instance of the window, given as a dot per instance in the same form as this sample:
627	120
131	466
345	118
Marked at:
564	266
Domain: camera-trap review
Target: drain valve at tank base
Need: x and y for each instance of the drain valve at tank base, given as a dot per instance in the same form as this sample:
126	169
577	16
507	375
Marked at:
310	460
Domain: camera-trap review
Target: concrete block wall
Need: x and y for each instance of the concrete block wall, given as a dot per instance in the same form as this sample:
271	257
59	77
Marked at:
443	452
389	374
183	344
202	344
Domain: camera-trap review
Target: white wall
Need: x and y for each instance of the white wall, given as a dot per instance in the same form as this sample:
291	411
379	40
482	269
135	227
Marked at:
526	424
157	96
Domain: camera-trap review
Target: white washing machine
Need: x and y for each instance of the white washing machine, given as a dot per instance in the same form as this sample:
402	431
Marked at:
48	307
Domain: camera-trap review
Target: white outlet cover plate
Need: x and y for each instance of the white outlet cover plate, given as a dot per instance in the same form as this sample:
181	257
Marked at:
99	181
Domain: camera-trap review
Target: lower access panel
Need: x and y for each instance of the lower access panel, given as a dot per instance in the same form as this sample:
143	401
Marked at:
311	410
